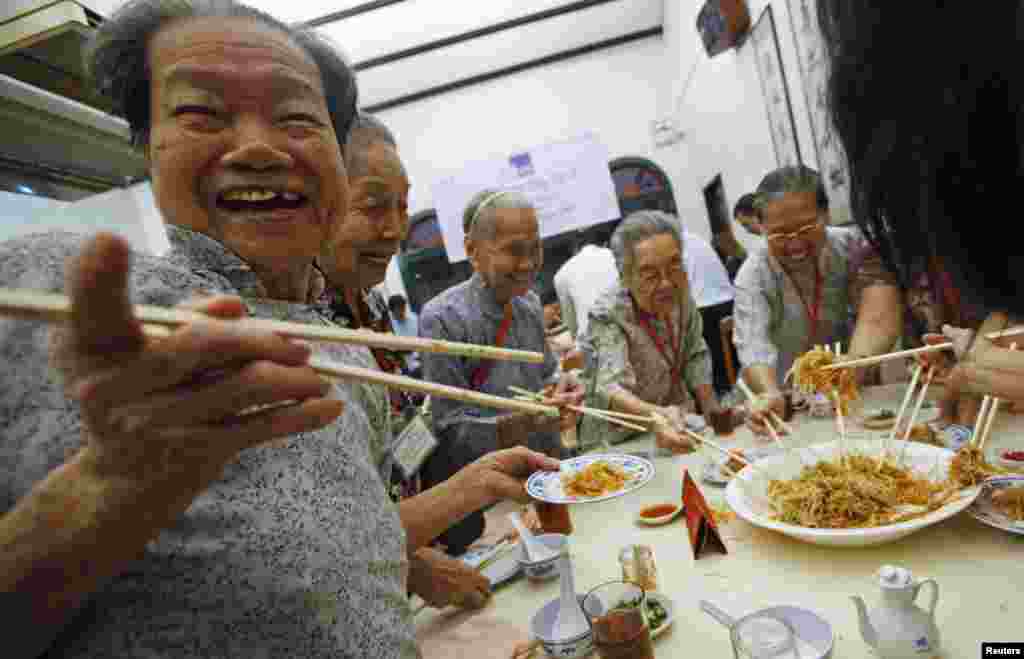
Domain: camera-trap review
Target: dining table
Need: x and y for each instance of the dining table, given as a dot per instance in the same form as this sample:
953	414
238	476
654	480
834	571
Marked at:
979	569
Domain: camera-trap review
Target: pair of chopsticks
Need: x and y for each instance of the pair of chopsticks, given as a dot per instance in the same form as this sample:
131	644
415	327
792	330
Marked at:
887	442
986	416
159	321
615	418
901	354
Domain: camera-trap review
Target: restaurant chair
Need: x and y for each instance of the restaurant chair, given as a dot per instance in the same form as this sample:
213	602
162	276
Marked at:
725	329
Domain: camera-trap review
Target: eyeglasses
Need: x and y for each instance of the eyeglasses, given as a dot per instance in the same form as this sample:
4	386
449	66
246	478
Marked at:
794	235
651	277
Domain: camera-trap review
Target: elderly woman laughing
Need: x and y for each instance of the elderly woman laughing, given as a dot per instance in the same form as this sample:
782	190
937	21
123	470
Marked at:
143	512
645	346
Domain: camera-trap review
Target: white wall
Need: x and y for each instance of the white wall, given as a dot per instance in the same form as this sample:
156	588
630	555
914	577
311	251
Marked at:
723	112
616	93
130	212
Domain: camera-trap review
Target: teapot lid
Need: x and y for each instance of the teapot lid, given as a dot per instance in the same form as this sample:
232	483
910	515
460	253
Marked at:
892	576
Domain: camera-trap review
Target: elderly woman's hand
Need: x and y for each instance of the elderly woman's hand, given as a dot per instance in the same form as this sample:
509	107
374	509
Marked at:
444	581
666	433
761	411
502	474
567	393
164	415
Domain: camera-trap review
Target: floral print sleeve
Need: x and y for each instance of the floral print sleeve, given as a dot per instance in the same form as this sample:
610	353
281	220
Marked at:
610	368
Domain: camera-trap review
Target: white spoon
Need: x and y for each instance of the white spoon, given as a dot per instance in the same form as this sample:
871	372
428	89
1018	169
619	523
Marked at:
536	551
571	622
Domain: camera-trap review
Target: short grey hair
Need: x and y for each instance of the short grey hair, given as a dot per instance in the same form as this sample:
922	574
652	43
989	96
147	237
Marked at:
117	58
366	131
638	227
791	179
479	221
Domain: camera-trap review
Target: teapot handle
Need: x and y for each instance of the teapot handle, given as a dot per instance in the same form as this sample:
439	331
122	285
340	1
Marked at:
935	594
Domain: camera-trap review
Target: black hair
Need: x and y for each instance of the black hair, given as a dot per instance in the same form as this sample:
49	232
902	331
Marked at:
745	205
116	58
791	179
933	134
396	302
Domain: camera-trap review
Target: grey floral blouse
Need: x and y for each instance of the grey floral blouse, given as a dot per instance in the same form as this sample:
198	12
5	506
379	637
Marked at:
622	355
295	552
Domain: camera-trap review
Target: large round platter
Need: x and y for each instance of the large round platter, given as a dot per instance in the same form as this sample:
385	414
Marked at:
547	485
986	512
747	492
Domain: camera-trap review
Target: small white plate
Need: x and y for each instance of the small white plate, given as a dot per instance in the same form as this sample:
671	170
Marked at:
986	512
658	521
547	485
714	472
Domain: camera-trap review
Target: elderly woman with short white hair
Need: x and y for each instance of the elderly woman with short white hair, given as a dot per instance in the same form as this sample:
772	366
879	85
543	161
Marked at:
645	346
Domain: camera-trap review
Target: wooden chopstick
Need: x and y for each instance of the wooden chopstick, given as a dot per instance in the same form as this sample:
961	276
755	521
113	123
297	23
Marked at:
772	415
887	443
345	372
605	415
51	307
991	416
917	410
878	359
725	452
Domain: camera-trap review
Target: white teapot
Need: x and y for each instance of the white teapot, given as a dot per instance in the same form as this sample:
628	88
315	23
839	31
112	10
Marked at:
897	628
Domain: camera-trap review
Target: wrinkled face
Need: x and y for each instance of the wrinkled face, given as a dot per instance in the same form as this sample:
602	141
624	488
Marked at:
795	228
242	145
657	278
376	223
509	263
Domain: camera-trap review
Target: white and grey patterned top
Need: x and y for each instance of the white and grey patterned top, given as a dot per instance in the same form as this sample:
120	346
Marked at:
771	324
295	552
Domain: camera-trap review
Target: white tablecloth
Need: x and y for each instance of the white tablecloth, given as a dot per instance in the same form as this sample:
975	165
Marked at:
980	570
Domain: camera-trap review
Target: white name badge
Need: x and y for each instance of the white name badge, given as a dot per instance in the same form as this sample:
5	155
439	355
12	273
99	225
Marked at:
413	447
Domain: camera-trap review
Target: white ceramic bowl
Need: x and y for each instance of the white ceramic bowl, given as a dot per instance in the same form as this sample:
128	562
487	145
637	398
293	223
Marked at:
542	626
746	494
546	569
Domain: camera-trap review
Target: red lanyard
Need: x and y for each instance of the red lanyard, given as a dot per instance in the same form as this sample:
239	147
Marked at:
948	294
671	358
813	312
482	372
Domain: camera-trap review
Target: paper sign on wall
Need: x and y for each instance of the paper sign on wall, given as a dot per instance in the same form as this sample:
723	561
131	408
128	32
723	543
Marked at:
567	182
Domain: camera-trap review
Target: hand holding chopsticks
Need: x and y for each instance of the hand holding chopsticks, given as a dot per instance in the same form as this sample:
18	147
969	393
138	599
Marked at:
615	418
775	425
56	308
159	322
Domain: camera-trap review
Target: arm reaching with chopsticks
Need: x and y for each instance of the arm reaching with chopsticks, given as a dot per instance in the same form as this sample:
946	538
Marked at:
161	420
988	368
879	323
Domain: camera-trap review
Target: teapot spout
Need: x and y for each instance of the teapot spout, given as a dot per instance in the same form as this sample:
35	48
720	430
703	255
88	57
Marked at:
867	631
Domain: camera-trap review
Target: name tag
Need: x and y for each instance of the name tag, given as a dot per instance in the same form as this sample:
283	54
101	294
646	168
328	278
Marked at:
413	447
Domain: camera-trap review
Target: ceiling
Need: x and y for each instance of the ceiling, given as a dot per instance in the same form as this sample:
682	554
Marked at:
64	143
406	50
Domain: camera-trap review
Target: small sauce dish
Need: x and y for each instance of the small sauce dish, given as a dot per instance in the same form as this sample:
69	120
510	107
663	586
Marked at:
658	514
